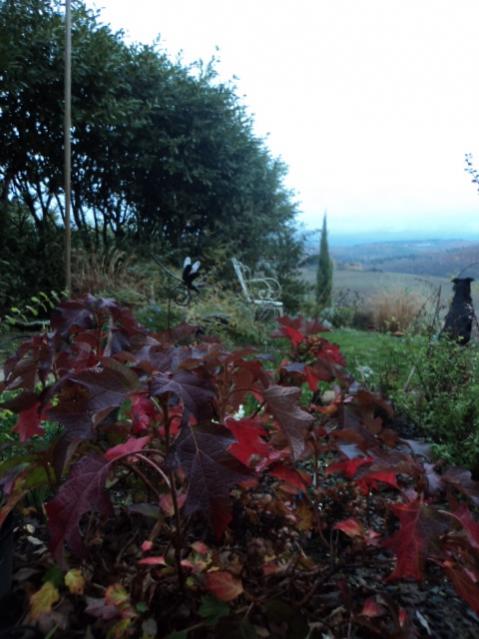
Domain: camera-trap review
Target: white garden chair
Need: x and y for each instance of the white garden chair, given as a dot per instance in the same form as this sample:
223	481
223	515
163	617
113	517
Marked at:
263	292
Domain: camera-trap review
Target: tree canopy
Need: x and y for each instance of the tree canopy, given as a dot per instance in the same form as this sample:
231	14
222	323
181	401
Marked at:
161	152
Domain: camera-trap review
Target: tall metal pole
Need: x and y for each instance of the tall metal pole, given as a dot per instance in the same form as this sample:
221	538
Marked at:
67	133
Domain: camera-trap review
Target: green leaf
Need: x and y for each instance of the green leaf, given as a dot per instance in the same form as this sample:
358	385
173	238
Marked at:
32	310
141	607
212	609
55	575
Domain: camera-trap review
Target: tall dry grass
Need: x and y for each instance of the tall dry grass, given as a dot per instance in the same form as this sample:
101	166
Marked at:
398	311
113	273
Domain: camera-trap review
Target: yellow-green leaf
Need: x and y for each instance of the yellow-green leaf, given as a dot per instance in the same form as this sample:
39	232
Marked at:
41	602
75	581
116	595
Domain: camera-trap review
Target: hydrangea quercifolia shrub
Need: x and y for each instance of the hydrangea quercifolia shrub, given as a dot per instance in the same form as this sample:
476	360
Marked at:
170	512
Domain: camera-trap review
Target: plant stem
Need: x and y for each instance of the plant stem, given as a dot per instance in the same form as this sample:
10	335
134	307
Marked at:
178	534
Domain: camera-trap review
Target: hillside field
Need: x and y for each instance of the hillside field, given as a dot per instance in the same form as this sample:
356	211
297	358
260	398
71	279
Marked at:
367	284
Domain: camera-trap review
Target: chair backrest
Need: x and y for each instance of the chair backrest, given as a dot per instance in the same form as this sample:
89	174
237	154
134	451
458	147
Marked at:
242	273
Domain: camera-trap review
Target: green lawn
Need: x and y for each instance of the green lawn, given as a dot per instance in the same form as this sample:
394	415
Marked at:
382	353
365	348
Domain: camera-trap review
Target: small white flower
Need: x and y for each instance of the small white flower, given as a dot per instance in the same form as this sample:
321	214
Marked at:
240	413
365	371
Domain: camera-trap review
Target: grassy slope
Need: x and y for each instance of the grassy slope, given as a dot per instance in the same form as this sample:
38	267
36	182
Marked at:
362	348
368	283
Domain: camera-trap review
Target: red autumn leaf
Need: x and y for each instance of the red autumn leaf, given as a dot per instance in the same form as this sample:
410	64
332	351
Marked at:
306	327
72	313
131	446
28	406
223	585
30	363
471	526
202	452
153	561
330	352
372	609
312	378
294	336
290	476
83	492
348	467
351	527
143	412
463	584
28	423
249	442
369	480
282	401
420	526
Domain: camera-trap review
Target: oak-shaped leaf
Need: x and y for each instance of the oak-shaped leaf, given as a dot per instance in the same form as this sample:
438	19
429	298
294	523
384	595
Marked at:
294	336
329	352
83	492
249	444
196	393
72	314
86	398
420	528
31	363
368	480
212	471
299	324
293	477
282	401
29	407
83	400
348	467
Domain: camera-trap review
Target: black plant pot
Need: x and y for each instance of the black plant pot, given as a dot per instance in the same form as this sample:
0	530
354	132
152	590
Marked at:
6	555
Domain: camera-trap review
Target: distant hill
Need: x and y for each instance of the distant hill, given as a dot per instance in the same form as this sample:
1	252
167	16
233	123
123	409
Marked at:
449	262
378	251
440	258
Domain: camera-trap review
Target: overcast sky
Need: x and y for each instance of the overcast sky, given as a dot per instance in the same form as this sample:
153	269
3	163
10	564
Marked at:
371	103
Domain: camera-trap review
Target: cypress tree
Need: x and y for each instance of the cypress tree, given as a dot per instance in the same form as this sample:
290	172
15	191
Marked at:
324	277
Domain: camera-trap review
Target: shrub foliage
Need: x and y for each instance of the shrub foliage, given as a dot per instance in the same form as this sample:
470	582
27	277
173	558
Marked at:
197	491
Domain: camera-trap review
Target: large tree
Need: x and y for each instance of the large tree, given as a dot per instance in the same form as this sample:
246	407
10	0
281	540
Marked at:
161	152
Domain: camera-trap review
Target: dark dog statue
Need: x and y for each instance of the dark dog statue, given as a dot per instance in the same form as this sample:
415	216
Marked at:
458	322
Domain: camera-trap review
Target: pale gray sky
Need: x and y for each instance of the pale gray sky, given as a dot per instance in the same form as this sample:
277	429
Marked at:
371	103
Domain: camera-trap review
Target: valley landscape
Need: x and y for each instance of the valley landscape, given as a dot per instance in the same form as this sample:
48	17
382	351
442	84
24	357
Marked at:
420	266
